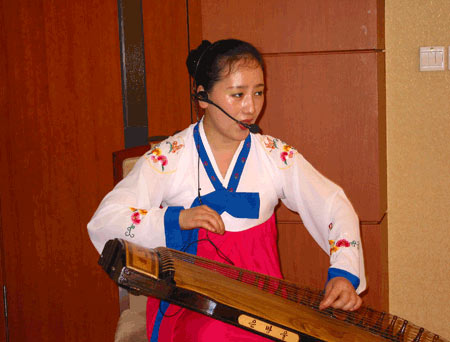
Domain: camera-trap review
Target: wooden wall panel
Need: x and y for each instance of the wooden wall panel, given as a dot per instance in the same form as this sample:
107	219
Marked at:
375	247
166	50
305	263
61	121
195	23
3	317
326	97
328	108
287	26
3	106
302	260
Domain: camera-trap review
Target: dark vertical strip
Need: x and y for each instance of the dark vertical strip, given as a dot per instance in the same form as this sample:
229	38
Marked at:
3	279
132	61
5	311
189	49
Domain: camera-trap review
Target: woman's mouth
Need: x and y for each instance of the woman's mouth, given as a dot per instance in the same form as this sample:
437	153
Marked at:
246	122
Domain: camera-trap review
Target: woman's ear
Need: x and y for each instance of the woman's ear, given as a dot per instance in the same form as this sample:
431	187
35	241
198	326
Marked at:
201	103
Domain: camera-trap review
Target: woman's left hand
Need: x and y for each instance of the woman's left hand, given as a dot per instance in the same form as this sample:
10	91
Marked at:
340	294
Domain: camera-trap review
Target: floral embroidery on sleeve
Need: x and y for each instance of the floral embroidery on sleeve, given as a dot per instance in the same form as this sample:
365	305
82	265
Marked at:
136	217
285	151
271	143
334	246
288	152
159	155
174	147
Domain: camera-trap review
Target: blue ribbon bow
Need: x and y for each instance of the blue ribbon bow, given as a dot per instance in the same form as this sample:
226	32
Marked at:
237	204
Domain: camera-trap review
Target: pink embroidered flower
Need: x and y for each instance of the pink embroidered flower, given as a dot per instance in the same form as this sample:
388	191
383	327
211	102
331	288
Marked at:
157	157
135	220
162	160
343	243
136	217
287	153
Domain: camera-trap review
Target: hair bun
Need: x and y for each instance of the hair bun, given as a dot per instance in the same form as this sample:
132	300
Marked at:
195	56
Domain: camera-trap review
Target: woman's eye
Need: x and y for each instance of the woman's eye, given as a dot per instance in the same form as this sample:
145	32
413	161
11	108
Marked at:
259	93
237	95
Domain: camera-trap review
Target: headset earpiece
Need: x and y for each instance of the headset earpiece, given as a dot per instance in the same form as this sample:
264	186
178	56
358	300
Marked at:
202	95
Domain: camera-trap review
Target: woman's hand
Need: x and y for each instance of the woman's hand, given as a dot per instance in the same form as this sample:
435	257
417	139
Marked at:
340	294
202	217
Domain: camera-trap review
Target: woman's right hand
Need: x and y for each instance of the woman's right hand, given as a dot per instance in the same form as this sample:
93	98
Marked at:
201	217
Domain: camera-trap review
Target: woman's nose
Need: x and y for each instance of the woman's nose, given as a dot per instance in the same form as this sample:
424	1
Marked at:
249	104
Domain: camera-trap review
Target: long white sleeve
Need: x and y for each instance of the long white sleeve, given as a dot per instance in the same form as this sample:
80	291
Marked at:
132	210
324	209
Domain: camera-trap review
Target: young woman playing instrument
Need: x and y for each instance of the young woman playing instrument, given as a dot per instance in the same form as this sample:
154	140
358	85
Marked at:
211	190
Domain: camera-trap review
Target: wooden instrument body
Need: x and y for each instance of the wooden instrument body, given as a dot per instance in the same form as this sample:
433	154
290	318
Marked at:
201	285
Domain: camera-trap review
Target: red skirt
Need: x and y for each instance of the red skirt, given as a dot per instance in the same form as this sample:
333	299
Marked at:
254	249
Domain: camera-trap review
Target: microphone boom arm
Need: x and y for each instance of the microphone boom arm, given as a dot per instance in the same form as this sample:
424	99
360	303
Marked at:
253	128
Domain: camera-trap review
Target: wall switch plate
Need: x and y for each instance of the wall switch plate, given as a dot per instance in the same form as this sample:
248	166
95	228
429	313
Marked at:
432	58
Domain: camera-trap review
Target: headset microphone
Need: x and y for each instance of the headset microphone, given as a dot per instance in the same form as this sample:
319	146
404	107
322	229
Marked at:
203	96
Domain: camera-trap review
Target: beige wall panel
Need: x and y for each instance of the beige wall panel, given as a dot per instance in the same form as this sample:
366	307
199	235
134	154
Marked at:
328	107
305	263
286	26
418	126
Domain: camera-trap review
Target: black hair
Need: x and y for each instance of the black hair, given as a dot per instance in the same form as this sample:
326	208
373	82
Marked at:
208	61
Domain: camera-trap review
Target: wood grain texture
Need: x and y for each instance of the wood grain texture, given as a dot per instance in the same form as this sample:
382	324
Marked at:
195	23
304	262
3	102
61	121
375	248
297	26
269	306
166	50
325	96
328	107
3	318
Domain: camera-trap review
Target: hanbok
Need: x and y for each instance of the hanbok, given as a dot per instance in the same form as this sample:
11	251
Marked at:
181	173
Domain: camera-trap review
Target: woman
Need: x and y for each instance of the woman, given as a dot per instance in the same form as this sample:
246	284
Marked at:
211	190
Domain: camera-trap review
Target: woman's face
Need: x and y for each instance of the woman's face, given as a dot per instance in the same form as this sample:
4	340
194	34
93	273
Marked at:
241	94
